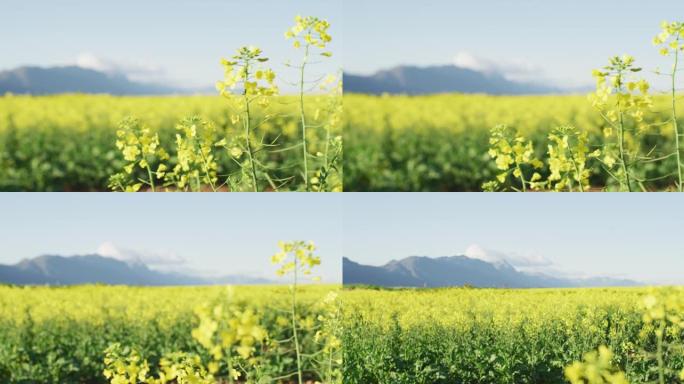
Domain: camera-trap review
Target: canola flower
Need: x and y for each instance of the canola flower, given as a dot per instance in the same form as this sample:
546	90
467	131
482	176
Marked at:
596	368
295	258
584	335
617	97
662	312
38	151
512	153
308	33
74	334
140	147
258	86
68	142
440	142
622	100
671	43
568	153
237	344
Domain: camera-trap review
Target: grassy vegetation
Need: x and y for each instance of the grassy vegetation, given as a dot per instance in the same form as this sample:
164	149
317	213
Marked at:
68	142
504	335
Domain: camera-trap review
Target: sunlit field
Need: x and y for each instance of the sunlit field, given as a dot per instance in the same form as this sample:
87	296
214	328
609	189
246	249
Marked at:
441	142
513	336
75	334
68	143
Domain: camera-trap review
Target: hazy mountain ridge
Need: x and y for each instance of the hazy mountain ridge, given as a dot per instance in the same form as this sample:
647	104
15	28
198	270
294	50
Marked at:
421	271
73	79
91	269
413	80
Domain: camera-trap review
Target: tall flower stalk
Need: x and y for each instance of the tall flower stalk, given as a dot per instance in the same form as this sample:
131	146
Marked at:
258	85
671	42
296	257
309	33
619	97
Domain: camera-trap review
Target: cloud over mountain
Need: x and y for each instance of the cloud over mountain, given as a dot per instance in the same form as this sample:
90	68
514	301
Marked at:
95	268
152	259
137	70
511	69
527	262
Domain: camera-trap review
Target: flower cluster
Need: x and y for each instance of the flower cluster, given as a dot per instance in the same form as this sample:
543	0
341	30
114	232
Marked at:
671	38
242	71
296	256
512	153
597	368
123	365
229	334
665	306
139	146
196	162
568	153
310	31
631	95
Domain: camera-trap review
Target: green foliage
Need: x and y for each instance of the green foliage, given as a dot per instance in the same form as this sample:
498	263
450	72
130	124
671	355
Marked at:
68	142
459	335
310	33
663	338
238	344
512	154
596	368
247	140
440	142
61	335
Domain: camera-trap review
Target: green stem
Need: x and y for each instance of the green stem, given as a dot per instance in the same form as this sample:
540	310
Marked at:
247	132
303	116
661	364
149	173
522	177
577	171
621	143
330	364
294	324
230	368
206	170
674	120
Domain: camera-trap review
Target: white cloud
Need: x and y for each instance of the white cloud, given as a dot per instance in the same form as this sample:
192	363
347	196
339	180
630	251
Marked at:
134	70
528	262
152	259
512	69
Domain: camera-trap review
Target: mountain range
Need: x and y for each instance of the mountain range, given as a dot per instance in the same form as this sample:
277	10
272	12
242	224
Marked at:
410	80
413	80
73	79
91	269
421	271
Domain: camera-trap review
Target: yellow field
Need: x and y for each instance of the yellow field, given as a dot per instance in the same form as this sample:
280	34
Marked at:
67	142
60	335
503	335
440	142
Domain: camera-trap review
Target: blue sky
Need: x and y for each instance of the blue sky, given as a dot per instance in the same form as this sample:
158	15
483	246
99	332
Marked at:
636	236
181	41
178	41
533	40
209	234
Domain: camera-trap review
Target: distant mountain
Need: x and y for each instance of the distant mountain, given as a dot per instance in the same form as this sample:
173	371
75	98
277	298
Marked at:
412	80
90	269
417	271
73	79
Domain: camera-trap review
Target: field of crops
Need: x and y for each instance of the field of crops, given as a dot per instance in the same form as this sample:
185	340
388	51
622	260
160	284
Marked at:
461	335
68	142
60	335
440	142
